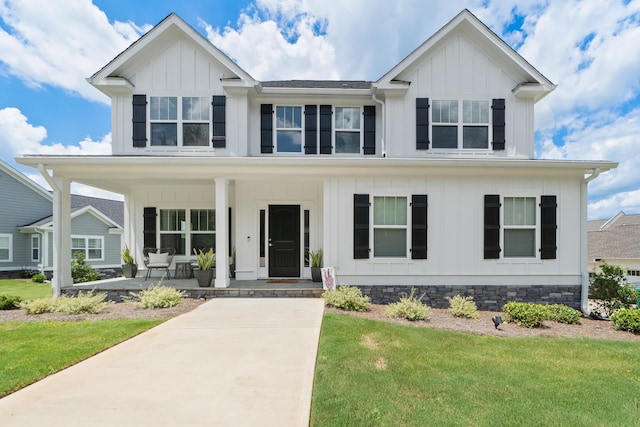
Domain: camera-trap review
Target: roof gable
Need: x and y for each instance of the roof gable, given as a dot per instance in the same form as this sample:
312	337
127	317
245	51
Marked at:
532	84
75	213
8	170
111	79
619	237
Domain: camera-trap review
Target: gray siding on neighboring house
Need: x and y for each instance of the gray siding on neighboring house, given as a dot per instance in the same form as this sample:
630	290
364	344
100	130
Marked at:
88	225
21	205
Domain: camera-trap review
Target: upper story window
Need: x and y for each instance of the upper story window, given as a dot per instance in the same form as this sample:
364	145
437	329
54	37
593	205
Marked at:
289	129
186	126
317	129
460	124
347	130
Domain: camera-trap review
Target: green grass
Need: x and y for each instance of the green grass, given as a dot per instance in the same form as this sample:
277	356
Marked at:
29	351
372	373
25	289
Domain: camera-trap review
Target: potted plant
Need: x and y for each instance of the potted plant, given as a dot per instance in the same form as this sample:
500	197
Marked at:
204	273
130	266
316	263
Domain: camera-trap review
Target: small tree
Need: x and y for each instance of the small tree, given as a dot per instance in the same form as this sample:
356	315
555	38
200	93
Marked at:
610	291
81	271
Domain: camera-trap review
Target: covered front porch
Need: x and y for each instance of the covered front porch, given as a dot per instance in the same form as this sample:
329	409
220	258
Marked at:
267	288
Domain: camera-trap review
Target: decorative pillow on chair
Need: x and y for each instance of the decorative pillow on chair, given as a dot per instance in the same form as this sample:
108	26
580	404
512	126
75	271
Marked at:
158	258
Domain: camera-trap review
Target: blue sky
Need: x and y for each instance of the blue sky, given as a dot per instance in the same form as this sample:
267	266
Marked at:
49	47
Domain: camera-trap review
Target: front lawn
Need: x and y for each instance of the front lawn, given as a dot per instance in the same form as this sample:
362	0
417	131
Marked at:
372	373
32	350
25	289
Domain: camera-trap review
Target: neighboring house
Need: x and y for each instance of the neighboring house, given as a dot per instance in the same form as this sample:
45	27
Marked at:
26	227
423	178
617	242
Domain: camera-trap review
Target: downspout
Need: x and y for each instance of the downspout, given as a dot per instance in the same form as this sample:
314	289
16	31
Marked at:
382	142
584	297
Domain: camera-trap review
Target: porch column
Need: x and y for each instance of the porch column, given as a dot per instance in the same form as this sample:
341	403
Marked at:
61	235
222	233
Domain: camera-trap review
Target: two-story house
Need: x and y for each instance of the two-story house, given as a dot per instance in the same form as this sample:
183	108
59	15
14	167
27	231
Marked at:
423	178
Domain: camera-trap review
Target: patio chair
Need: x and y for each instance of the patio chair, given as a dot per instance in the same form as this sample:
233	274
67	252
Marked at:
158	259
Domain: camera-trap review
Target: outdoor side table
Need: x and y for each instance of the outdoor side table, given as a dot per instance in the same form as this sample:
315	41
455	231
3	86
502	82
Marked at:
183	270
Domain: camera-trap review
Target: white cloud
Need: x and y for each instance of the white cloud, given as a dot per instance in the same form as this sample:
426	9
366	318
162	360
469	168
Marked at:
60	44
18	137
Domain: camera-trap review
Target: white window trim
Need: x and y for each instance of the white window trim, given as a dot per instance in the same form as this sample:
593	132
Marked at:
180	121
301	129
335	130
86	248
38	247
10	236
460	124
406	227
537	227
187	227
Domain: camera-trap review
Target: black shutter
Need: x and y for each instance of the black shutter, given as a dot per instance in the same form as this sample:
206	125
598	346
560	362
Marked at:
491	226
219	121
266	128
549	225
369	129
419	226
139	120
498	124
310	129
360	226
422	123
149	227
325	129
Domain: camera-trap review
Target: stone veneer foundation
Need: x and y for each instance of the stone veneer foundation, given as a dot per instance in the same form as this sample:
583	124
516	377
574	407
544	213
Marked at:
490	298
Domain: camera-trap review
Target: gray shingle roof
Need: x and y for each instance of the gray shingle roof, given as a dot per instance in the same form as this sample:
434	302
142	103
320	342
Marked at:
113	209
318	84
616	238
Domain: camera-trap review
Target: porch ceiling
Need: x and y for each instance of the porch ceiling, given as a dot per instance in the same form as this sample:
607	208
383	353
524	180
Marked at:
120	173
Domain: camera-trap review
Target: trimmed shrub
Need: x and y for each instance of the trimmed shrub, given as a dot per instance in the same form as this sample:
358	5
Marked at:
461	306
346	297
525	314
39	306
157	297
82	272
409	307
609	290
38	278
10	302
83	303
564	314
626	320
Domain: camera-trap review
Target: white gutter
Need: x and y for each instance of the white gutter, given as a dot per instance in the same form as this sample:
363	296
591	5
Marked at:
584	297
384	119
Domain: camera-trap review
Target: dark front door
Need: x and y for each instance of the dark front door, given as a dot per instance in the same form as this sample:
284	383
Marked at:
284	241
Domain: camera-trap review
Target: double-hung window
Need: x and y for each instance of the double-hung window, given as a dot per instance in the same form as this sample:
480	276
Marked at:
164	120
347	130
519	227
6	247
195	121
198	232
460	124
288	129
35	247
184	123
203	229
389	227
91	247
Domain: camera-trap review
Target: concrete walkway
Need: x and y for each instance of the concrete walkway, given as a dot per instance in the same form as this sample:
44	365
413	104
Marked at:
229	362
